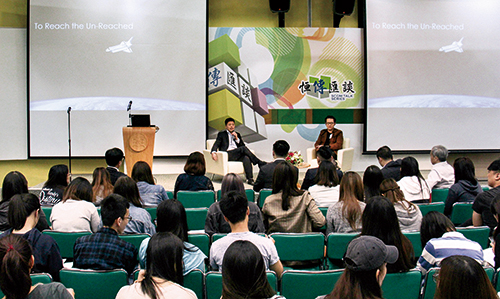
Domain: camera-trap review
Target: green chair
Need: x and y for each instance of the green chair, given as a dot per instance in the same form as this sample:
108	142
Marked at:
404	285
194	281
479	234
135	239
336	245
40	278
440	195
304	247
427	207
414	238
200	240
91	283
308	284
461	212
495	280
47	210
213	283
170	194
196	218
263	194
196	199
65	241
152	212
248	192
324	211
216	237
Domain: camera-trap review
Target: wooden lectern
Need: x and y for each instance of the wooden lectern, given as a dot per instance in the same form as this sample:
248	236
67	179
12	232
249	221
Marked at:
139	144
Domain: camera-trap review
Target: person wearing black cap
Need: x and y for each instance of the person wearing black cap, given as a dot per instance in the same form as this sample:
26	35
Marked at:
481	214
365	260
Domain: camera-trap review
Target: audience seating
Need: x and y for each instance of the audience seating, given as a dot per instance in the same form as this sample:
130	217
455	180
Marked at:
345	156
195	281
135	239
248	192
461	212
40	278
324	211
222	166
308	284
303	247
200	240
336	245
439	195
495	280
263	194
427	207
170	194
405	285
479	234
152	212
89	283
196	218
47	210
196	199
65	241
414	238
213	283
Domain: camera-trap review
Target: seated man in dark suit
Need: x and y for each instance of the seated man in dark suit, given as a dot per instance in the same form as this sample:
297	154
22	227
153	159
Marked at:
322	154
265	177
390	169
230	141
114	159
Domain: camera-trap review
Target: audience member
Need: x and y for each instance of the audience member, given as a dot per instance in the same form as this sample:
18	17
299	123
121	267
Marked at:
265	176
345	215
215	222
409	214
371	180
53	189
234	206
104	250
289	209
326	190
441	175
244	273
140	220
16	262
495	210
171	217
114	159
24	211
194	178
466	187
481	214
440	240
462	277
76	212
380	220
322	154
150	193
101	185
16	183
330	137
163	278
366	261
412	182
390	169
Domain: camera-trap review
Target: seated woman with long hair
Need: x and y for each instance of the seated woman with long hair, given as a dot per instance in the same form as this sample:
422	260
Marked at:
345	215
150	193
140	220
101	185
53	189
462	277
16	262
409	214
366	262
171	217
215	222
16	183
466	186
412	183
244	275
371	180
76	212
163	276
288	209
380	220
326	191
24	211
194	178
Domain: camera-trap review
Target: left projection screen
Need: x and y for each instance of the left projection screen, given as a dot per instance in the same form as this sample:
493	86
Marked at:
96	56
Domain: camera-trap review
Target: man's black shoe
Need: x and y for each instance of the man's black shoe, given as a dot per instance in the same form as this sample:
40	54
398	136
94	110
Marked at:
250	182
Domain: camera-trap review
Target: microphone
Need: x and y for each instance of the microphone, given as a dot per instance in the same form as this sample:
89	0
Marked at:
69	110
129	106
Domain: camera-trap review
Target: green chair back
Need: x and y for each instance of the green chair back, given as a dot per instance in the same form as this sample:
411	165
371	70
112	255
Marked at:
194	281
47	211
300	246
152	212
170	194
495	281
486	188
200	240
461	212
89	283
213	283
196	199
263	194
414	238
404	285
65	241
40	278
196	218
427	207
336	244
308	284
324	211
216	237
479	234
439	195
248	192
135	239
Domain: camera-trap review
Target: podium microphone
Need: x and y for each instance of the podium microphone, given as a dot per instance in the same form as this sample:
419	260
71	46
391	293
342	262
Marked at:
129	106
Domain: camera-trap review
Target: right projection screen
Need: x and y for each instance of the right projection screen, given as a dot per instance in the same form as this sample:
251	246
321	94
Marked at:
433	74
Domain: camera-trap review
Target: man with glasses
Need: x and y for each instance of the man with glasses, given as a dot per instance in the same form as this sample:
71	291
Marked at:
330	137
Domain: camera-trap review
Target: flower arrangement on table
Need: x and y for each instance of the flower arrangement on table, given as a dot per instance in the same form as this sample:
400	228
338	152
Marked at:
295	158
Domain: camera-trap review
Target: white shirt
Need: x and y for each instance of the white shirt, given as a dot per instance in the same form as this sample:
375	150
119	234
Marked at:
441	176
232	143
324	196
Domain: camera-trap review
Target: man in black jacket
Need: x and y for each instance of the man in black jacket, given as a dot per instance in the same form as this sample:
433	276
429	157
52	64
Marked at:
390	169
265	177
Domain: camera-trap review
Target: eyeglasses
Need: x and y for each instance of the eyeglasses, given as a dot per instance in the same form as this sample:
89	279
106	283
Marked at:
330	123
435	277
128	218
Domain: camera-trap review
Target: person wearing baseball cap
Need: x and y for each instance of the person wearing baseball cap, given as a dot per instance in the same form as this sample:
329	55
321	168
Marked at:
365	261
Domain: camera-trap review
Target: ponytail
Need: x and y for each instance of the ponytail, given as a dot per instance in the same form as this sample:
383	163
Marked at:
20	207
15	256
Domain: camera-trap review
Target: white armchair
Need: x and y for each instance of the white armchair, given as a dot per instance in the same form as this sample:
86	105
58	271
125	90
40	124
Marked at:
344	156
222	166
